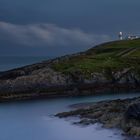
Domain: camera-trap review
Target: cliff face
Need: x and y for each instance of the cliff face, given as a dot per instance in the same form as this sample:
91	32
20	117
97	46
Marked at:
113	65
36	79
40	79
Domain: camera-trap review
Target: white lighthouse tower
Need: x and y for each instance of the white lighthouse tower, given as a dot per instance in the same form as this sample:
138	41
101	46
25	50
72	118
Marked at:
121	35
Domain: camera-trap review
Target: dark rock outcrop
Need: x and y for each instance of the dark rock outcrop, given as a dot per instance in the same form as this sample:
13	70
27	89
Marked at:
133	112
122	114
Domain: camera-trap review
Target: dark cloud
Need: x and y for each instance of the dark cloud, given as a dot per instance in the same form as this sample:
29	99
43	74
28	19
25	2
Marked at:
75	24
48	36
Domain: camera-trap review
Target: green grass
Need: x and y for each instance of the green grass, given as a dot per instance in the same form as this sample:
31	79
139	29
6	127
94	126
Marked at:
115	55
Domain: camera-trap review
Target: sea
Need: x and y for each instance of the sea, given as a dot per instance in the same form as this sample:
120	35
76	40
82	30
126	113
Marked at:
12	62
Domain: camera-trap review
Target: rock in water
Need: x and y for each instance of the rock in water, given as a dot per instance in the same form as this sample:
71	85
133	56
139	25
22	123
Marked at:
133	112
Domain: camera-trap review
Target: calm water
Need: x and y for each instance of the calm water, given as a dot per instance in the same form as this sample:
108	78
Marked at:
11	62
33	120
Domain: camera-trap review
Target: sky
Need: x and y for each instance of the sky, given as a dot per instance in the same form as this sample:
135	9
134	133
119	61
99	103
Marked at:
59	27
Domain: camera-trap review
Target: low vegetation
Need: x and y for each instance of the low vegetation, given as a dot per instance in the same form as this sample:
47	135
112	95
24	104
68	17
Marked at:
115	55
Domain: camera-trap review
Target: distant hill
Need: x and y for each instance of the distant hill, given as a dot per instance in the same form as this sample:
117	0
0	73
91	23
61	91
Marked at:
112	66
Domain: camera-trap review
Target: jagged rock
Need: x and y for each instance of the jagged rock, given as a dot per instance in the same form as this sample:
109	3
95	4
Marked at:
124	114
133	112
86	122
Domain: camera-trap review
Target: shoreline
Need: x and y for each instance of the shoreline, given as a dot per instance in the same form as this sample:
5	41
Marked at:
68	91
120	113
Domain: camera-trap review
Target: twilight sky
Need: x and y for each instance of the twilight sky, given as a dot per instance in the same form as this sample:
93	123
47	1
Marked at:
58	27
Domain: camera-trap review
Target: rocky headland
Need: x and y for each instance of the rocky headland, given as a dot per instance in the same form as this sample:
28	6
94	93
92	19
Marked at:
109	67
122	114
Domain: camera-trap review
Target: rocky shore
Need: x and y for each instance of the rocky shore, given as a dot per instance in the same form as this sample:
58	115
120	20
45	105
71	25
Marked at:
123	114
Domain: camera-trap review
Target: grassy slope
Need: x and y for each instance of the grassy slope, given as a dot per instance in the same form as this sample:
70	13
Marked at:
115	55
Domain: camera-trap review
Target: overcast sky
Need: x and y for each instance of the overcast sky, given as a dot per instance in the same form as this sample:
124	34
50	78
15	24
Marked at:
58	27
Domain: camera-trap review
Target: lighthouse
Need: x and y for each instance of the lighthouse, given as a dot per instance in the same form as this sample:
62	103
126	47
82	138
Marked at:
120	35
